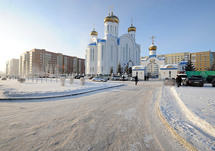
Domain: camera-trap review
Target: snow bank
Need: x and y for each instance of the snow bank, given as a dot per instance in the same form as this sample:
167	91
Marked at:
180	107
43	88
197	121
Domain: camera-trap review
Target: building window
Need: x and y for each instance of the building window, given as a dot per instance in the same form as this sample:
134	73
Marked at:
111	52
90	54
136	58
126	52
123	54
115	29
93	54
130	54
102	52
111	28
108	28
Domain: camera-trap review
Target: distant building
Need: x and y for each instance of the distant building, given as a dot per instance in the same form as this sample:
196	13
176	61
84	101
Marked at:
40	61
12	68
174	58
154	66
202	60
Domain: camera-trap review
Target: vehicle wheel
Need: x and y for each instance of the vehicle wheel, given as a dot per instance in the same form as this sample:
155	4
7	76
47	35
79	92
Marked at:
201	85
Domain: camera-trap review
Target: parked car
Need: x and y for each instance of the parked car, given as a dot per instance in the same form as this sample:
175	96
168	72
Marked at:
213	83
198	76
194	81
90	77
78	76
115	78
124	78
3	78
210	78
99	79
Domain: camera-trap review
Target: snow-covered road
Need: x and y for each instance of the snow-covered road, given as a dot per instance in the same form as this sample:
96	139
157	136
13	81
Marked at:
118	119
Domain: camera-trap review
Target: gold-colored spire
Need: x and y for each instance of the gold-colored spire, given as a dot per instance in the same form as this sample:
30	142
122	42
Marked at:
94	32
153	37
111	17
132	28
152	47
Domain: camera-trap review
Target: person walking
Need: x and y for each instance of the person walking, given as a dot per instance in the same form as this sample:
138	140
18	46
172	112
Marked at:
136	80
178	81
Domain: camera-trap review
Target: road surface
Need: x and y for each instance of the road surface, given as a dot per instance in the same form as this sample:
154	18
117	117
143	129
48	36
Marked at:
121	119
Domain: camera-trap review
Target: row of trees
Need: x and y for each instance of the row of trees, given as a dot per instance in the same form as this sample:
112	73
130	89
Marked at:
119	70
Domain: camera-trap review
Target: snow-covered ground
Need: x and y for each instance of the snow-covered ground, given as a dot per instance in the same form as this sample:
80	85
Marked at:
42	88
191	112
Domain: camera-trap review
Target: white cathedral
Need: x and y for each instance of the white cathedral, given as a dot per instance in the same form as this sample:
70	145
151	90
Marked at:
108	52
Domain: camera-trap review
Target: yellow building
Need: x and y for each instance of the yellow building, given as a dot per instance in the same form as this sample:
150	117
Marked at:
202	60
174	58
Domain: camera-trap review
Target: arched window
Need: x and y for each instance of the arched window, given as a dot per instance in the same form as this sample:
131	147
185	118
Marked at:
111	28
108	28
115	29
102	52
93	54
111	52
126	52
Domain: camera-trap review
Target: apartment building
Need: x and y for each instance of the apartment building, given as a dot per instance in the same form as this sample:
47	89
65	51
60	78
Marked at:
202	60
12	68
176	58
40	61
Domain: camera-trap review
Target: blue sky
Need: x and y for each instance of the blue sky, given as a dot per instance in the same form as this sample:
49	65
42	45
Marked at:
64	25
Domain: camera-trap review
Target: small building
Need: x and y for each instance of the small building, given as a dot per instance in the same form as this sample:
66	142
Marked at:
139	71
154	67
168	71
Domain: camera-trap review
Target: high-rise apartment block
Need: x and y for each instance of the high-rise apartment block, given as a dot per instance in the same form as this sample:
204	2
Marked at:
176	58
202	60
40	61
12	68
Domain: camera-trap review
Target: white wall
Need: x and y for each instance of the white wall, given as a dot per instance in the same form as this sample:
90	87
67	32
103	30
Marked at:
165	74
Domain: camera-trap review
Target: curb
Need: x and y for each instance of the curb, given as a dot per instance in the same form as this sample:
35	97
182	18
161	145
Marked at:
183	141
49	97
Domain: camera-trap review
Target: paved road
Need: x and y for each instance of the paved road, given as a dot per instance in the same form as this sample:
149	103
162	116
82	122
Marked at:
118	119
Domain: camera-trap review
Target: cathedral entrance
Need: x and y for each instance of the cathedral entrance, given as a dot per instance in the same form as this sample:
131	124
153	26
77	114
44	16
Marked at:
152	70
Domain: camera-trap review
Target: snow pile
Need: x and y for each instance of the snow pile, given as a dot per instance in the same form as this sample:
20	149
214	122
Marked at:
13	89
191	112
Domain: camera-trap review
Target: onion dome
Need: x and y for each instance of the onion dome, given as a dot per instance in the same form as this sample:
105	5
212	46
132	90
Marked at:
153	47
115	18
94	33
132	28
108	19
111	18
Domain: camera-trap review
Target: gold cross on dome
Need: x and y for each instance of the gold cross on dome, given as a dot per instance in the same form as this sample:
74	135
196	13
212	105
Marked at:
153	37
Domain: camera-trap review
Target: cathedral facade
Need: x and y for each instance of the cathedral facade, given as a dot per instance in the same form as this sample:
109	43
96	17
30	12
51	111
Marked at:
105	54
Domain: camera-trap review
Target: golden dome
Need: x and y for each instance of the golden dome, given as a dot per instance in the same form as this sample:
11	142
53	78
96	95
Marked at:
115	18
94	33
153	47
108	19
132	28
111	18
